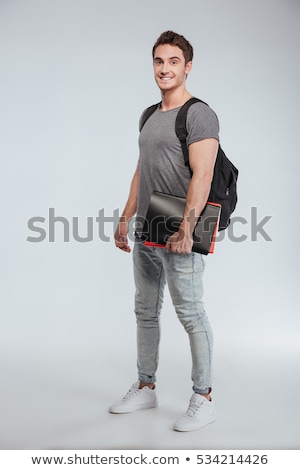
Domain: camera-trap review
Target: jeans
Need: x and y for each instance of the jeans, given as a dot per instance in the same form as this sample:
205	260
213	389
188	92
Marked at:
153	268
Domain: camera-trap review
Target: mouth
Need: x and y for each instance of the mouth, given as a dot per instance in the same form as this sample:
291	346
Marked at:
165	79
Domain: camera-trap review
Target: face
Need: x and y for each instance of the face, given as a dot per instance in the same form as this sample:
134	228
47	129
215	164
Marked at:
170	69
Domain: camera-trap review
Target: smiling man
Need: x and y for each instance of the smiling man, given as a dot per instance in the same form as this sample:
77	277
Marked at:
161	168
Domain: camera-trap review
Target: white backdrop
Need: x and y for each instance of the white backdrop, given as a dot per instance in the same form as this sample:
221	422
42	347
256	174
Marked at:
75	76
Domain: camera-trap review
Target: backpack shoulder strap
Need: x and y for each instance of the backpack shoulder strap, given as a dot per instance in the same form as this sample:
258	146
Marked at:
147	113
180	126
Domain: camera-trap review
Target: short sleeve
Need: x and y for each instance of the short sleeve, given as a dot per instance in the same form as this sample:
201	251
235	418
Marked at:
202	123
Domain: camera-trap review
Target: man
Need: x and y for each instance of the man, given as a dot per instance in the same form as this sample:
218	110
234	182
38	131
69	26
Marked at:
161	168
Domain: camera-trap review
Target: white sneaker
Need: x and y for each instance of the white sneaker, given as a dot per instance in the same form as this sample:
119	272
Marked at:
135	399
199	413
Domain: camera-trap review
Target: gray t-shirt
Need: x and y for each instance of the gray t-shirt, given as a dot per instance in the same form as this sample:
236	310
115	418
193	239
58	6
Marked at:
161	159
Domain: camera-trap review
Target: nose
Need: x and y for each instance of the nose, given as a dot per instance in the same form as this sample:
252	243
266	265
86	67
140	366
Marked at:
164	68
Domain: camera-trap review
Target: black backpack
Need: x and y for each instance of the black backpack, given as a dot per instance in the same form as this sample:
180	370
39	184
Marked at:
223	187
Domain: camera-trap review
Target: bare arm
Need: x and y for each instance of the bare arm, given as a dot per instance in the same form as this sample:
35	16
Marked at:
202	157
121	234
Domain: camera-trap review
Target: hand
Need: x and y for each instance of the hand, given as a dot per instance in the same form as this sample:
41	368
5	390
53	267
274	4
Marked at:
179	243
121	237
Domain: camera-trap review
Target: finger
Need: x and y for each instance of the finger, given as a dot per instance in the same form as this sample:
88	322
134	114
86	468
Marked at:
172	247
125	248
120	241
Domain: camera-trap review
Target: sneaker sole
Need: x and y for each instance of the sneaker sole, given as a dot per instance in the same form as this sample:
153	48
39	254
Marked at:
192	428
146	407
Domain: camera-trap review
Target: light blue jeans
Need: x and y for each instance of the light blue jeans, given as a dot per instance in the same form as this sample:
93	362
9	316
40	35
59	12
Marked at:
153	268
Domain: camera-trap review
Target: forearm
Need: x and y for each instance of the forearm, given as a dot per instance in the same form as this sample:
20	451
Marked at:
196	199
131	204
121	233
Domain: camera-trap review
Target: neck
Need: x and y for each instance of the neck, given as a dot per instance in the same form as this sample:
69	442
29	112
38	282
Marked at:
174	98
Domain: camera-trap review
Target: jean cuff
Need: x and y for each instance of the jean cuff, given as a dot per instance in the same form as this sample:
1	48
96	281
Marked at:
203	391
145	379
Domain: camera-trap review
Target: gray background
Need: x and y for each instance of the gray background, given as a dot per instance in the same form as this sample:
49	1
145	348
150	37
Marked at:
75	76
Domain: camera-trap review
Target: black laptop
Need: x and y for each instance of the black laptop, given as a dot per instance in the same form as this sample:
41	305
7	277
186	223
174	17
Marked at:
165	214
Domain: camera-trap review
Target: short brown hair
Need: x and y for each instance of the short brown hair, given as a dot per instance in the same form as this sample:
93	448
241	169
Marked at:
169	37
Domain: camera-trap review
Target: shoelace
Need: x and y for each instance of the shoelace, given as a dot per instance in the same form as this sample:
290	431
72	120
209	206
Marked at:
193	408
131	392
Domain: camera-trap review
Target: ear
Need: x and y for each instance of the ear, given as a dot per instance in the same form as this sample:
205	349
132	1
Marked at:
188	67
